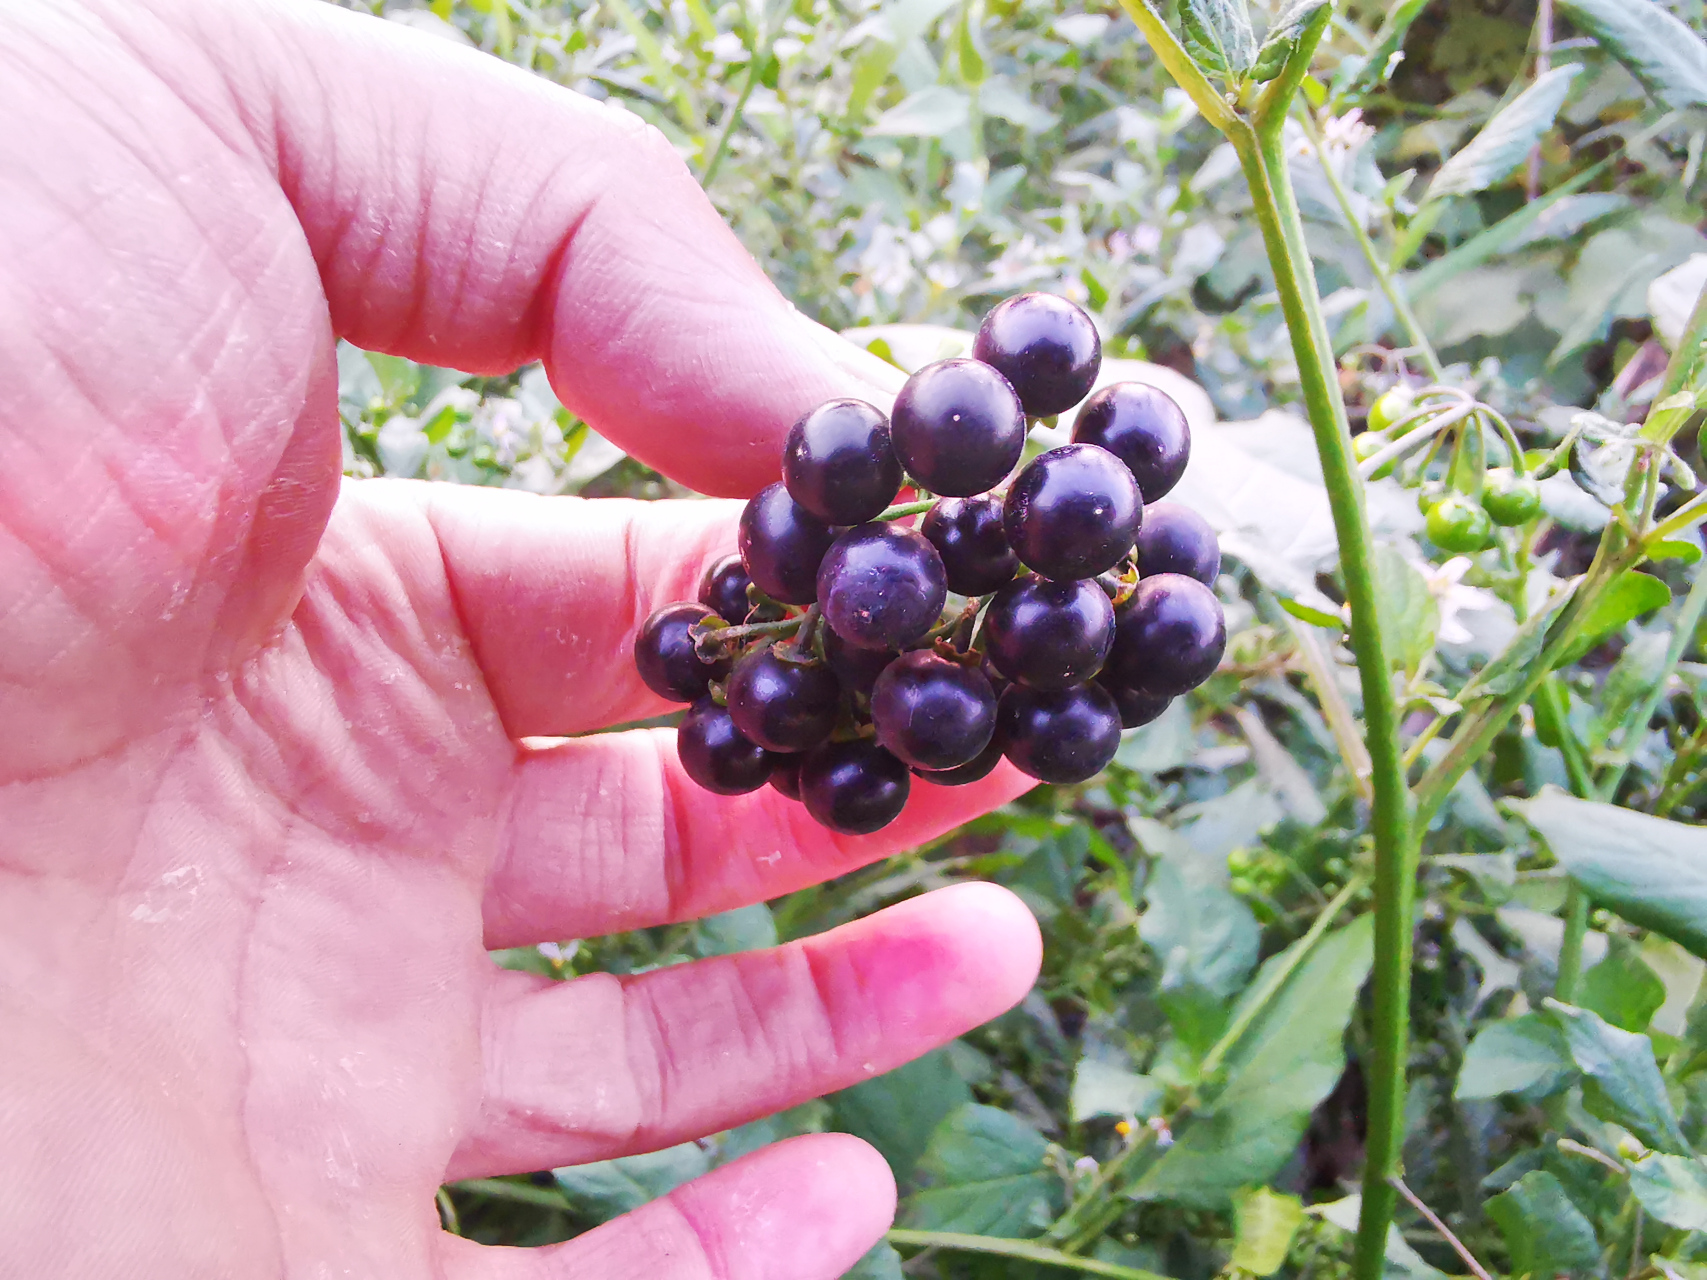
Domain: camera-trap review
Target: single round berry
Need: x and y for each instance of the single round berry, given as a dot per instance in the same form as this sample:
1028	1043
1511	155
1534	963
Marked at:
1366	445
1168	637
665	657
1175	539
856	668
1048	634
853	787
1144	428
881	586
1045	347
782	704
723	590
958	427
1458	525
1059	735
1511	499
1390	407
967	534
1136	709
785	774
717	755
932	713
782	544
838	462
975	769
1073	512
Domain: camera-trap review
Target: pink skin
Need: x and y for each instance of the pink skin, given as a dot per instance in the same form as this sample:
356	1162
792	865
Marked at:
265	799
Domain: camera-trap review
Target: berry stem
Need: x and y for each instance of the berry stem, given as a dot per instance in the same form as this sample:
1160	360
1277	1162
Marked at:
716	642
903	509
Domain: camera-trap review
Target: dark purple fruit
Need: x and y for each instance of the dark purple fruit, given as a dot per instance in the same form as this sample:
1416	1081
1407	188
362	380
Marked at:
967	534
1059	735
1168	638
1046	347
723	590
1073	512
717	755
664	654
853	787
1048	634
975	769
781	545
1144	428
780	704
785	774
1136	709
881	586
1175	539
958	427
932	713
838	462
856	668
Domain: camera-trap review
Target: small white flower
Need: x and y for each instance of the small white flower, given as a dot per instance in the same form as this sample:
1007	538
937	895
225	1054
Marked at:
1452	597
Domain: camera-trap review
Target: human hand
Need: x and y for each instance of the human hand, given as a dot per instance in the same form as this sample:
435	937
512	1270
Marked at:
264	799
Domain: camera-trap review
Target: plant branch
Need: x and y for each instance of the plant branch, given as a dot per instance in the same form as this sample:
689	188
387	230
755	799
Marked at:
1179	64
1429	1216
1022	1249
1688	619
1335	711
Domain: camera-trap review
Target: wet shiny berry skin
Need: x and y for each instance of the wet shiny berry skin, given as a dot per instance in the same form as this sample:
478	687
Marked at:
785	774
1045	347
979	767
839	464
967	534
723	590
782	544
1073	512
1048	634
782	705
717	755
1136	709
664	654
1168	638
1175	539
1144	428
853	787
1458	525
1059	735
881	586
931	713
958	427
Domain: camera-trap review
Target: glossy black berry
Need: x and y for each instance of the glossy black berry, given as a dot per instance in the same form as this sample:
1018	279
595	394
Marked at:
1059	735
782	544
1144	428
932	713
664	654
1048	634
780	704
838	462
1046	347
1175	539
785	774
856	668
958	427
717	755
1168	638
881	586
853	787
974	770
723	590
967	534
1073	512
1136	709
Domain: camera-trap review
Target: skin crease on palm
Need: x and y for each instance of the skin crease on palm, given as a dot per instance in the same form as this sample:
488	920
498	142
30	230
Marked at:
270	784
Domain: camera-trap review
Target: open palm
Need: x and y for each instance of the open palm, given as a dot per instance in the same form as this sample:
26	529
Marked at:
266	789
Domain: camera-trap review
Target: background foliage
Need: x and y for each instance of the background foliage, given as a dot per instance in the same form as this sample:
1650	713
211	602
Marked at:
1182	1092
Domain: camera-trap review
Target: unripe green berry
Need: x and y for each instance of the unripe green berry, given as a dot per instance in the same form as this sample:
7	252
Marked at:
1458	525
1390	407
1511	499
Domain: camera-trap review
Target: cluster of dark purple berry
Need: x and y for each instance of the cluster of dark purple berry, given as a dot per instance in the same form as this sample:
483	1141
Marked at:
844	650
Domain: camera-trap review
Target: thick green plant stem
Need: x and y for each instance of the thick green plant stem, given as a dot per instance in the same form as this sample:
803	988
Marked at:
1022	1249
1571	947
1552	705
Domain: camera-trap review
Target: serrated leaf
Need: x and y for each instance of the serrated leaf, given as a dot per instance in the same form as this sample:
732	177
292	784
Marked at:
1657	47
1283	37
1544	1231
1672	1189
1630	595
1622	1081
1505	141
1218	35
1526	1056
1650	871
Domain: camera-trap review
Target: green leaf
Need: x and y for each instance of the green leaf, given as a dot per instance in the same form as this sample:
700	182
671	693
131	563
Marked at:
1218	35
1513	665
399	379
1264	1224
1626	598
984	1176
1672	1189
1544	1231
1284	1065
1526	1056
1641	666
1623	1081
1658	48
1675	549
1315	617
1650	871
1409	614
1622	989
743	929
1282	38
897	1111
1105	1089
1505	141
1165	743
929	113
1203	935
602	1191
